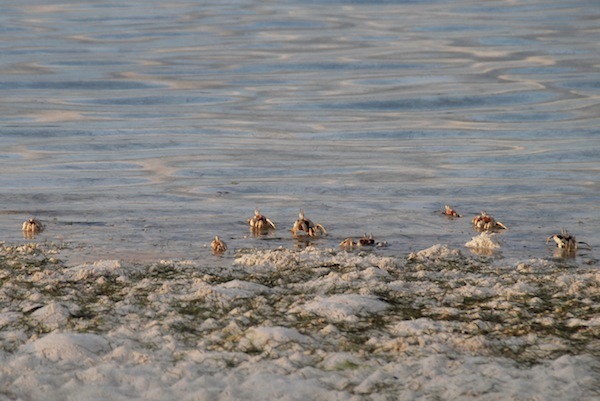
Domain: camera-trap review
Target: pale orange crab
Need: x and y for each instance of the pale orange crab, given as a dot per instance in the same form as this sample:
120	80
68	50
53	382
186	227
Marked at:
260	224
485	222
448	211
218	246
33	226
310	228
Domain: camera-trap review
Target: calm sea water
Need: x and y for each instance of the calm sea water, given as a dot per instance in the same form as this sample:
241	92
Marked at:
140	129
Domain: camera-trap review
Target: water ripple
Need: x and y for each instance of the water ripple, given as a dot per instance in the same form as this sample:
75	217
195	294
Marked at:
381	111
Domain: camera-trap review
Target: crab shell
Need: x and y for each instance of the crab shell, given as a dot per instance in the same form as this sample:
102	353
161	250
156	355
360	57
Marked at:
564	240
260	223
486	222
218	246
310	228
33	226
448	211
366	240
349	243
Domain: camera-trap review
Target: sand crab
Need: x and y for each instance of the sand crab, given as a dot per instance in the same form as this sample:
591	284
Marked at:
310	228
259	223
366	240
566	241
33	226
448	211
485	222
218	246
349	243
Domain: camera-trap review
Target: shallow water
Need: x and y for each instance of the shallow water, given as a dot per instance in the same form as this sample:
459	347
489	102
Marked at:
140	129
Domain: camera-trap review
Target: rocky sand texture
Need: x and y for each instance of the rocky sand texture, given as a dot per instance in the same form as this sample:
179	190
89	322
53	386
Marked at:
319	324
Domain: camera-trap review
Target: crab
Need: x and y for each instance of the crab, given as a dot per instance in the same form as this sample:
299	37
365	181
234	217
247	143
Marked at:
485	222
448	211
310	228
33	226
259	223
218	246
566	241
366	240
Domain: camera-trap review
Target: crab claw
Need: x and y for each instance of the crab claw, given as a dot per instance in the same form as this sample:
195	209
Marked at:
502	226
319	227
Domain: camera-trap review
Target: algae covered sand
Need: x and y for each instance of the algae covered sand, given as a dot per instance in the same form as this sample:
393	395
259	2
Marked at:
298	324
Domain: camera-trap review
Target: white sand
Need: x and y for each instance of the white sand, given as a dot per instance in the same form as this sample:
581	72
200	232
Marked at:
484	241
318	324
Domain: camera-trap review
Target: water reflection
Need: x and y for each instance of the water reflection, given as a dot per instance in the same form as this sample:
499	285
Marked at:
484	251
